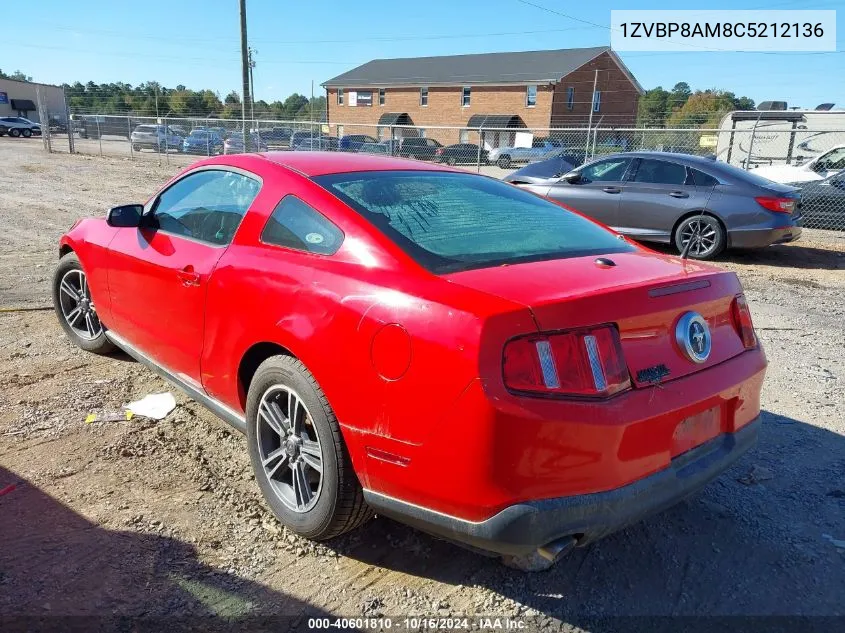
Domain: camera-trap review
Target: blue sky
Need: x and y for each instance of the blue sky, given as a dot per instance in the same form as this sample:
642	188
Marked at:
196	43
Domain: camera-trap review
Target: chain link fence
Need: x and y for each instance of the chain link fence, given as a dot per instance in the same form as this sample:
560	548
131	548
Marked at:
812	160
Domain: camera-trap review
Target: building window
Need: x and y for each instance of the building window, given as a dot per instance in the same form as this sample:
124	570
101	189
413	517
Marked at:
421	132
596	101
531	96
363	99
381	96
464	137
570	98
423	97
340	96
382	132
339	131
465	96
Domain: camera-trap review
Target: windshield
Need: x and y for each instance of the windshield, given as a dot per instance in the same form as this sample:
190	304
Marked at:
450	222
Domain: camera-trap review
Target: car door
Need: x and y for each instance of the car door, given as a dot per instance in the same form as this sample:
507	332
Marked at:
597	193
658	192
158	273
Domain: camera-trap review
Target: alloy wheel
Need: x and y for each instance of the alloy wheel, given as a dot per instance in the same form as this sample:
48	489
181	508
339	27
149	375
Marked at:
289	448
703	236
77	306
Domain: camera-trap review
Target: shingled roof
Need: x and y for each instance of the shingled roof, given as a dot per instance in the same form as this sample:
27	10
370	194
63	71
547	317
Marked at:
484	68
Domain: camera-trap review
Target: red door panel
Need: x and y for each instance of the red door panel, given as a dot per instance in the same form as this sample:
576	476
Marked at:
158	283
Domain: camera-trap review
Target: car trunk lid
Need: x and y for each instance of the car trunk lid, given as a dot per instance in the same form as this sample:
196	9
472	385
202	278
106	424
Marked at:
644	294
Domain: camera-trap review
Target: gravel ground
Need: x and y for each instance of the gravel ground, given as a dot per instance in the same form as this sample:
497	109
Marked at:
149	519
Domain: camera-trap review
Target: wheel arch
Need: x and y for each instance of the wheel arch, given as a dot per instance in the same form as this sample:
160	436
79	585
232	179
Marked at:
690	214
256	354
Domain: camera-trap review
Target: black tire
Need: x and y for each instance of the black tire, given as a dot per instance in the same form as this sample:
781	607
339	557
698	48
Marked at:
504	162
710	232
14	132
99	344
26	132
451	161
340	505
136	147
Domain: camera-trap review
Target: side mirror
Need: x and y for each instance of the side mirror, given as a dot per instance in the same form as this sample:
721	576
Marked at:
126	215
572	177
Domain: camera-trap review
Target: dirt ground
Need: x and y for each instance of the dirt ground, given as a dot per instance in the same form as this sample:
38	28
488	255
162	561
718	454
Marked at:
147	519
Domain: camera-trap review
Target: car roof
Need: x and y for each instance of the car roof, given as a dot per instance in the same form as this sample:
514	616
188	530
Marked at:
321	163
704	161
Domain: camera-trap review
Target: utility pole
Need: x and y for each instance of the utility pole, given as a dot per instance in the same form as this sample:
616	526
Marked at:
252	51
590	122
245	75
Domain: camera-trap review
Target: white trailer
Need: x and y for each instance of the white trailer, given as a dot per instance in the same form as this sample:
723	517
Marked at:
750	138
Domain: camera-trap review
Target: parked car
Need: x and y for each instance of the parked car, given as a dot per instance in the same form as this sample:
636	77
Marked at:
551	407
97	126
675	199
203	142
180	130
461	153
158	138
818	168
540	148
300	135
20	126
322	143
375	148
279	136
235	144
823	202
419	147
353	142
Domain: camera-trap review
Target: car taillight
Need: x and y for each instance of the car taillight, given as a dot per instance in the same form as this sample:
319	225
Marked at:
778	205
438	151
742	322
586	363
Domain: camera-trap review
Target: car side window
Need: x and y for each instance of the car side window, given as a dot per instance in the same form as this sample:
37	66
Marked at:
611	170
294	224
660	172
700	179
206	205
833	160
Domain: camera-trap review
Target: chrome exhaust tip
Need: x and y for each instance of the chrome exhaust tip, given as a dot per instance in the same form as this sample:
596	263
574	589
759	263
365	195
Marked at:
556	549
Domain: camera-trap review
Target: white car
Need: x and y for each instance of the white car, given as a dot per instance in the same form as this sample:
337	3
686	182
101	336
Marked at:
19	126
818	168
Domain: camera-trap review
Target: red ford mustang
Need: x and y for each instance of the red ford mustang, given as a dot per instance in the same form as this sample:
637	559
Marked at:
424	343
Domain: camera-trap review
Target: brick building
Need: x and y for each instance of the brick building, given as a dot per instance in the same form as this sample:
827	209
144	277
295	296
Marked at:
533	89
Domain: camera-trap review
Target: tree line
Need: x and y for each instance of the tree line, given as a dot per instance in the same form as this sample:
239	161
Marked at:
153	99
683	108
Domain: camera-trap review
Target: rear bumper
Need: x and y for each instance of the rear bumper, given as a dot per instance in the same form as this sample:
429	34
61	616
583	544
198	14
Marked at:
524	527
759	238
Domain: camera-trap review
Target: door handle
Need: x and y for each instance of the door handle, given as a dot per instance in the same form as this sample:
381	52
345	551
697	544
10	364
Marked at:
188	277
612	190
679	194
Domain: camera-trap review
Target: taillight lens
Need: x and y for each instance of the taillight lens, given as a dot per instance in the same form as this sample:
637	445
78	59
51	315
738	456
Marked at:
778	205
742	322
586	363
438	151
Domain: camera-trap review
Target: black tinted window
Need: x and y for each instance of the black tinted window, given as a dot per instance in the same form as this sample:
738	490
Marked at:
660	172
611	170
294	224
206	205
701	179
449	222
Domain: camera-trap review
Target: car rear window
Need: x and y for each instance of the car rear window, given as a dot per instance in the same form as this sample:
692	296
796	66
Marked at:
450	222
